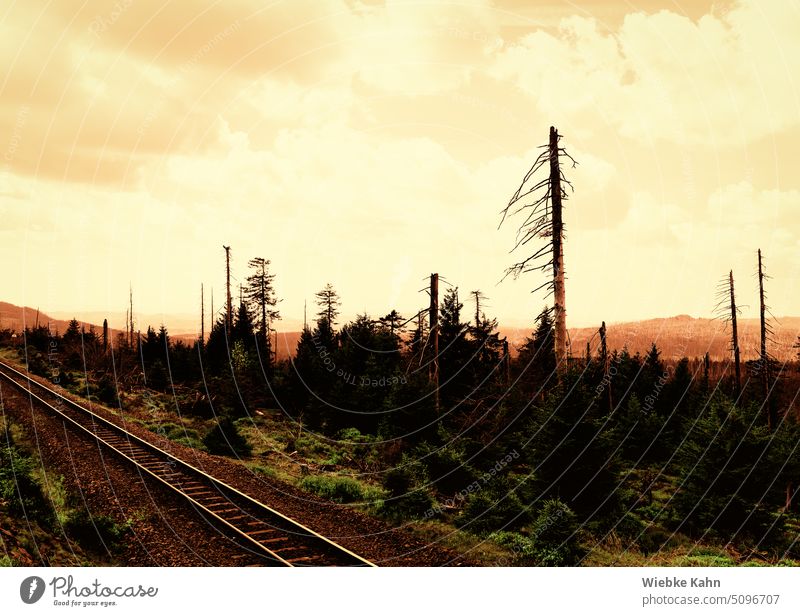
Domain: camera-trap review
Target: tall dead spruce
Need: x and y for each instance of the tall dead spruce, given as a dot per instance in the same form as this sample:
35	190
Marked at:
766	334
541	203
727	311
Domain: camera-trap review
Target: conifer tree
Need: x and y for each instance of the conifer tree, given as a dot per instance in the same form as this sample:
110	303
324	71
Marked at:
329	303
259	292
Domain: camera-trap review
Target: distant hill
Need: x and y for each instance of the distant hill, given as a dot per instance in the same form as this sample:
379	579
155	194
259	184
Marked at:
681	336
675	336
17	318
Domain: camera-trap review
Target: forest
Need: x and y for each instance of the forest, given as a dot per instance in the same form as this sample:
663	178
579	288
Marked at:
632	448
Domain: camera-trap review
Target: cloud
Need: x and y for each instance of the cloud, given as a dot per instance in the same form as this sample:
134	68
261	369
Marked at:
418	48
740	204
727	78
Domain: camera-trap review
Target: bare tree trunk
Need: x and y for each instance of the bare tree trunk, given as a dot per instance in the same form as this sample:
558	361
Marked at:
606	366
433	316
772	418
735	339
105	335
229	313
559	308
507	362
202	318
545	220
131	314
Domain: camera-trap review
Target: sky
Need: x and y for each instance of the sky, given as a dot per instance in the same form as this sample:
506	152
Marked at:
368	144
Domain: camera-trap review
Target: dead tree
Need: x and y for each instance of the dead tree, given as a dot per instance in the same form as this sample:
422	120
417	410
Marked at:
544	220
105	335
229	310
433	319
727	311
130	289
507	362
606	365
478	296
764	358
202	318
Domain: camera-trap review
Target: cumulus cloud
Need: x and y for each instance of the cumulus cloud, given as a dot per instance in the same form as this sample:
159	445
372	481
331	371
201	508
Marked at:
725	78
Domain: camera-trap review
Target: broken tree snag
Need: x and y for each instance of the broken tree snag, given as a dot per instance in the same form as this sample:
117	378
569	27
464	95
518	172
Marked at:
544	219
771	411
433	318
202	318
507	362
559	296
229	307
735	340
726	310
606	365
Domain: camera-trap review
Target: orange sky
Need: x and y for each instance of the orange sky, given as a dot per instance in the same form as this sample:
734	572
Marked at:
371	143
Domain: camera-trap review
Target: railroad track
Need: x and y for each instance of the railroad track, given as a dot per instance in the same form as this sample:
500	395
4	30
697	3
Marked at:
260	529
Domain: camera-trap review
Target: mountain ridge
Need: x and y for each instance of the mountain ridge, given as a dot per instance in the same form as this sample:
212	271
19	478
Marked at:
677	336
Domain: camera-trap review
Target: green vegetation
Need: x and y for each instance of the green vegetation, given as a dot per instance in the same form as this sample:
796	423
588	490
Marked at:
340	489
225	439
52	526
621	459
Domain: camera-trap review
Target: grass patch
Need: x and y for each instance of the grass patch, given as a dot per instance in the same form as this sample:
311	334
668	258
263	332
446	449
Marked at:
99	534
266	471
178	433
706	560
341	489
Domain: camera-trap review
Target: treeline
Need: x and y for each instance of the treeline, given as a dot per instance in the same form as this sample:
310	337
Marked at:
506	444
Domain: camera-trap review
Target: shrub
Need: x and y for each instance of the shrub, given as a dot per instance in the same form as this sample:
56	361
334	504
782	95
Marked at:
485	512
224	439
445	466
339	489
18	485
555	535
630	526
107	391
655	539
522	547
97	534
36	361
353	435
405	500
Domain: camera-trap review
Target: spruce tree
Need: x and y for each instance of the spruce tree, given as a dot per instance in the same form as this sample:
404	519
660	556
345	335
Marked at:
329	303
259	292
